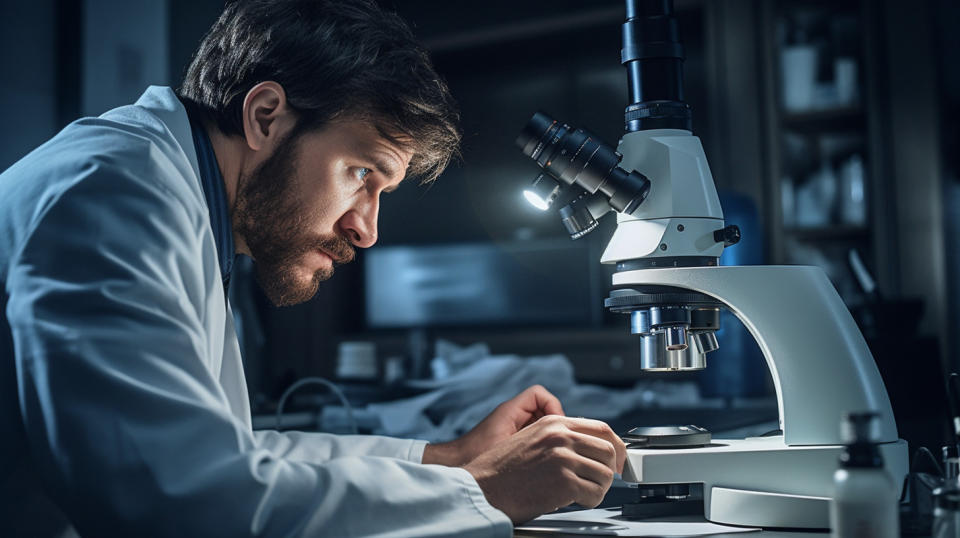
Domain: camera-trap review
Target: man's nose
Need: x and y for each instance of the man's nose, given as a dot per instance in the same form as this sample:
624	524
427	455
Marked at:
360	225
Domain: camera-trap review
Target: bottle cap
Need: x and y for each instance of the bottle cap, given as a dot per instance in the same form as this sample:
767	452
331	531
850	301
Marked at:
951	468
947	498
859	434
858	428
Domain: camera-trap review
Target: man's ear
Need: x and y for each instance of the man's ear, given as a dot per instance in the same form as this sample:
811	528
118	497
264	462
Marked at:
266	115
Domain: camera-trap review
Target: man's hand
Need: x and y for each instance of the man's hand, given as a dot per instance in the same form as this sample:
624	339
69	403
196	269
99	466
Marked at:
551	463
507	419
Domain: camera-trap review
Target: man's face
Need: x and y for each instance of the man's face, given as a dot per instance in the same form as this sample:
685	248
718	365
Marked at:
306	207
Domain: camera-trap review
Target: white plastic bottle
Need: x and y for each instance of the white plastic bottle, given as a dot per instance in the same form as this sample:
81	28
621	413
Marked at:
866	501
946	514
946	498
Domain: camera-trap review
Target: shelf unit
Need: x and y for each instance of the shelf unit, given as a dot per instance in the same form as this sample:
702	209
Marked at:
826	185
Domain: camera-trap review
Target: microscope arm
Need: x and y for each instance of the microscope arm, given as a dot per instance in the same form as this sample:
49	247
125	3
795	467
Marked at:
820	363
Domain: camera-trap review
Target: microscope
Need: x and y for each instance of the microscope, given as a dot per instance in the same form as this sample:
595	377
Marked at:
667	244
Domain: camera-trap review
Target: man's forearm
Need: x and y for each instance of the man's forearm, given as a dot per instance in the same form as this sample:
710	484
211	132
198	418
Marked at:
448	454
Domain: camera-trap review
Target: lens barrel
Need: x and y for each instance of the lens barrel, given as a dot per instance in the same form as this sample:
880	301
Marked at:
576	157
653	56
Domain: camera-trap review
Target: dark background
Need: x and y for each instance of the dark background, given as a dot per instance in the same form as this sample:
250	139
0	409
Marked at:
63	59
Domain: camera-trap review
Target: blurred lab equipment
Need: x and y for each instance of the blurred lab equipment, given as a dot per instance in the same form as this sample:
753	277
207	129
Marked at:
801	56
472	382
845	79
933	489
393	370
946	498
315	381
892	328
414	286
357	361
853	203
788	201
798	64
816	198
946	513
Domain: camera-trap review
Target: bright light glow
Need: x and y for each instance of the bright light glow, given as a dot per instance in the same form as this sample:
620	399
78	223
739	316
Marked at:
536	200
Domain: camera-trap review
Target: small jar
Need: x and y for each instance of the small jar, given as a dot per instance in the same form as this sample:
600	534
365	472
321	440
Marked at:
946	512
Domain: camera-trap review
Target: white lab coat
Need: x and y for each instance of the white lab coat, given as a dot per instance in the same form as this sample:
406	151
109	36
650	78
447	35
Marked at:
122	392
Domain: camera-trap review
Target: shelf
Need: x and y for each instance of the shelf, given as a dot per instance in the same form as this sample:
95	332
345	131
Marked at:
826	6
826	233
833	119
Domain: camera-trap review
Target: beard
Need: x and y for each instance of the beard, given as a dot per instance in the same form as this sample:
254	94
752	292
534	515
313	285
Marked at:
270	217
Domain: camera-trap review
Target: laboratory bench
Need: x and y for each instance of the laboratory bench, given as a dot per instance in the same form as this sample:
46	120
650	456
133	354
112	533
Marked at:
762	533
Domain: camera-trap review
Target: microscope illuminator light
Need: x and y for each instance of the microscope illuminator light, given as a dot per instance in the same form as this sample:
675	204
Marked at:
542	192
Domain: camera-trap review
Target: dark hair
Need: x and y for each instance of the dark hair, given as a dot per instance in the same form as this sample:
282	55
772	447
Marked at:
334	59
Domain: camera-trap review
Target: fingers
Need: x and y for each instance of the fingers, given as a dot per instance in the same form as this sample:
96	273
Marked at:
597	449
531	405
600	430
538	400
590	494
587	479
591	469
555	461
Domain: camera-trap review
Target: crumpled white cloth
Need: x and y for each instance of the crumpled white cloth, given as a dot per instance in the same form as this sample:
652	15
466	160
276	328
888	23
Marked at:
475	382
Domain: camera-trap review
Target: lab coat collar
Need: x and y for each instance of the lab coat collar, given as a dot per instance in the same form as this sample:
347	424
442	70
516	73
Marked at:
216	197
162	102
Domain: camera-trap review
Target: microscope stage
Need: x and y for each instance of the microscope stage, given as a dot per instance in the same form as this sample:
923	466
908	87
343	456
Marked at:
792	483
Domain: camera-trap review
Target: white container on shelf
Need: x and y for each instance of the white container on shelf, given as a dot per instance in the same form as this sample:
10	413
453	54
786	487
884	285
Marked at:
798	67
845	79
788	201
817	198
853	200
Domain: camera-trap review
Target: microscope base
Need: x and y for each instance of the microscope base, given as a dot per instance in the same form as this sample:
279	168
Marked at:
758	481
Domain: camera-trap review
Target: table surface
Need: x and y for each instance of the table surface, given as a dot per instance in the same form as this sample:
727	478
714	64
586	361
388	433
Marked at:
764	533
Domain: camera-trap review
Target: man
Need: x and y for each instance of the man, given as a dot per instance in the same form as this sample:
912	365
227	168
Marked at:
124	404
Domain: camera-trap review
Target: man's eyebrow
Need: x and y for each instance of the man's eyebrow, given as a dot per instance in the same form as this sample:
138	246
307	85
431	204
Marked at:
385	166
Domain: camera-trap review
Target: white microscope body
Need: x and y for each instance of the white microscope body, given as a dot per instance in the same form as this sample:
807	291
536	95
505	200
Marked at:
820	364
669	238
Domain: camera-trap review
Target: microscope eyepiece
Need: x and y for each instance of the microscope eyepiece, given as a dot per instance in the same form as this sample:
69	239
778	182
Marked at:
574	157
539	129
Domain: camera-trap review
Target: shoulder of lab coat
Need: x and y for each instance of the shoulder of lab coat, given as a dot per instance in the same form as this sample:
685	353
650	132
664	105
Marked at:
121	331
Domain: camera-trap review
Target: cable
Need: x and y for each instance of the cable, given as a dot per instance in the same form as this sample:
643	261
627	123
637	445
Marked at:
317	381
924	451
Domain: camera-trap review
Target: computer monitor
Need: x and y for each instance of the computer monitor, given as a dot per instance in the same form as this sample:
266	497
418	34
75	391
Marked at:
549	282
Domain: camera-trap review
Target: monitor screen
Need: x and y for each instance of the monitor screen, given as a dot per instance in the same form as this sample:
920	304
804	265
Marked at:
529	282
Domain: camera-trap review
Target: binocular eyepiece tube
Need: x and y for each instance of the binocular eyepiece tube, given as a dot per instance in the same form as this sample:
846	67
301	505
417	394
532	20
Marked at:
583	165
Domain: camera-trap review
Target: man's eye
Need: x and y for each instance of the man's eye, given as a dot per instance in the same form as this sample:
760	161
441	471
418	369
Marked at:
362	173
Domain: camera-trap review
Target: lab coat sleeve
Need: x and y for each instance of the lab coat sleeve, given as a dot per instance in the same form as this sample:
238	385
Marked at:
126	423
319	447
